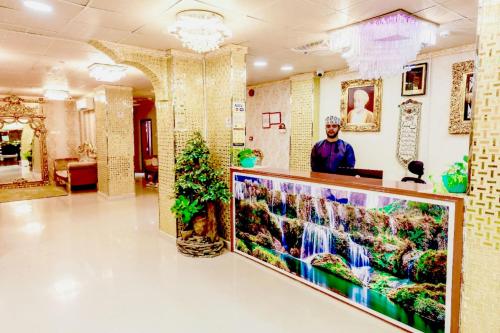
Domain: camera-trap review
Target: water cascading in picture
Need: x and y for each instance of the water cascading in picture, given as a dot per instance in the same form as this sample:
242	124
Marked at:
380	252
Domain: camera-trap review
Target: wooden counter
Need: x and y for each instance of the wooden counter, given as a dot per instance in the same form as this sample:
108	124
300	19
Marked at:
307	212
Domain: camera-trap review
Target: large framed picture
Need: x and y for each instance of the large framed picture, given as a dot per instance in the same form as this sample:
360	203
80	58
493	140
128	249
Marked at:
396	256
462	92
414	81
361	105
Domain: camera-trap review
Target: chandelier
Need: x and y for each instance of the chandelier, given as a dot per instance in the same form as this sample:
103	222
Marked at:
56	85
107	73
383	45
200	30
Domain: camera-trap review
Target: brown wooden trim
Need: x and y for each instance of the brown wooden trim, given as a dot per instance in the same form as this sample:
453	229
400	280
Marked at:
456	278
348	181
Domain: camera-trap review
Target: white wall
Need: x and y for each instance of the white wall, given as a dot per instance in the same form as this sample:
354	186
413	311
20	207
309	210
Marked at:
377	150
272	97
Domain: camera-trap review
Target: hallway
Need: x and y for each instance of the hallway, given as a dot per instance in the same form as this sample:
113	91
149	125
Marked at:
84	264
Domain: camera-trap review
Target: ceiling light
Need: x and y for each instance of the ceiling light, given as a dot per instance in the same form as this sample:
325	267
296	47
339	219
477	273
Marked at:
444	33
56	95
38	6
200	30
260	63
107	73
286	68
383	45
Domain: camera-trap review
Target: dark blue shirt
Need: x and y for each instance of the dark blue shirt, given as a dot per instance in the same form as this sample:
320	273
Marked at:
329	156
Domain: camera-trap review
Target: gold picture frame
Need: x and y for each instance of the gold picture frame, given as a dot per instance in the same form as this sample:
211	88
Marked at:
367	113
13	109
461	97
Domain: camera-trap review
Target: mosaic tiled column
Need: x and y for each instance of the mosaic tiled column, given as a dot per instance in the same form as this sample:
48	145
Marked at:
115	141
481	266
301	132
225	79
153	64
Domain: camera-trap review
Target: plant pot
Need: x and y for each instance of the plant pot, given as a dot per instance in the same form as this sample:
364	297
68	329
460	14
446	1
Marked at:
248	162
453	186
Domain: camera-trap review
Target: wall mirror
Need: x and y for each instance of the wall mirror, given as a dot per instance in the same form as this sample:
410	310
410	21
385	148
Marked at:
23	149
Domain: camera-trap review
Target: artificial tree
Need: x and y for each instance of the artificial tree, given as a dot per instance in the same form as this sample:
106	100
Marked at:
199	188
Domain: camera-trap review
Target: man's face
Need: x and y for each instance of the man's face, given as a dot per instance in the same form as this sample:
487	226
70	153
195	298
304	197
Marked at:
332	131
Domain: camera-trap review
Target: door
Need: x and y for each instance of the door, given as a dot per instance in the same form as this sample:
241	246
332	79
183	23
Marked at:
146	140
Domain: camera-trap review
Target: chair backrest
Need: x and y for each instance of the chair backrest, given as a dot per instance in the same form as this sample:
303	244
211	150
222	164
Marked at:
365	173
413	179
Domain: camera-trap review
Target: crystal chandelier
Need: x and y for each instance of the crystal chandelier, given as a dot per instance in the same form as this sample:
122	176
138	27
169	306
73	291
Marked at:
384	45
56	85
200	30
107	73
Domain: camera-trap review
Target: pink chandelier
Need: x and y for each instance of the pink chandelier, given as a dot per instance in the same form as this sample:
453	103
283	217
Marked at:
383	45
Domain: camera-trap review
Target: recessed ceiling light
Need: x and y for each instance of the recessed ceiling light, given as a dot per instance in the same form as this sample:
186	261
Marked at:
39	6
444	33
286	68
260	63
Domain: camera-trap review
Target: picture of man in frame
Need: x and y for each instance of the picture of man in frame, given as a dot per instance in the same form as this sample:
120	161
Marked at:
360	105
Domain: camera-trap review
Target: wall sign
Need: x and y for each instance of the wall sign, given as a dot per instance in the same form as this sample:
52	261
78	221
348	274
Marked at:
409	128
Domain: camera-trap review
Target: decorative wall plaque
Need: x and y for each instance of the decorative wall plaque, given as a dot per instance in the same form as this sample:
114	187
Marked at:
409	129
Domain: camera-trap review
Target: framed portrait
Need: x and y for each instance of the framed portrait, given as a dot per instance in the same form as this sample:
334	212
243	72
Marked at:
361	105
414	81
462	93
275	118
266	120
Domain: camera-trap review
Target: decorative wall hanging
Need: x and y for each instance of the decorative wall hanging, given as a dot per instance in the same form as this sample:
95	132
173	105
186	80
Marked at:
462	89
414	81
266	120
275	118
408	133
383	45
361	105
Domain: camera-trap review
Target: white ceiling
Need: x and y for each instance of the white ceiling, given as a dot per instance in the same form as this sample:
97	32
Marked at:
32	42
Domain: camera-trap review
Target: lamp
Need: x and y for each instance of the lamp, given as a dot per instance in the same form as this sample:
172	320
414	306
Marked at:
383	45
106	72
200	30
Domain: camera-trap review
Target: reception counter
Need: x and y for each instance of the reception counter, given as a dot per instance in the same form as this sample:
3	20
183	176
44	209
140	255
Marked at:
389	248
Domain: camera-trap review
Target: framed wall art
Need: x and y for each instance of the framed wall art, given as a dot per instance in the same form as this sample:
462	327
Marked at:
414	81
462	90
361	105
408	133
393	255
275	118
266	120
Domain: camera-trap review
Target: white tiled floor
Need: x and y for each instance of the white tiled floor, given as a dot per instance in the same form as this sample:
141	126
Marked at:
84	264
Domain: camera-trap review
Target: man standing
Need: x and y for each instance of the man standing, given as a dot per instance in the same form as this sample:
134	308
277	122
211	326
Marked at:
330	154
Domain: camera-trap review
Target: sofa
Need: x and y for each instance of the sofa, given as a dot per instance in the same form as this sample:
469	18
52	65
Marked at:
72	172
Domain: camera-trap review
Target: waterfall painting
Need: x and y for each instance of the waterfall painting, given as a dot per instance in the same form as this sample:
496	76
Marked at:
387	254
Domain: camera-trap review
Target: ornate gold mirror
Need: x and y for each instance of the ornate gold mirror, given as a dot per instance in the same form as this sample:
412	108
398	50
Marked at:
23	148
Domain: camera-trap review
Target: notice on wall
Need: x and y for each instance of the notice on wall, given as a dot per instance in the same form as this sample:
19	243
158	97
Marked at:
239	115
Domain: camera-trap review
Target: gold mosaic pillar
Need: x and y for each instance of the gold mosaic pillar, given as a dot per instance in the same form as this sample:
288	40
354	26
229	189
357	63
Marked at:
153	64
115	141
225	84
302	119
481	266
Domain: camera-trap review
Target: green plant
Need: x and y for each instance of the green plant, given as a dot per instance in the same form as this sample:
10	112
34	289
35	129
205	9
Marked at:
198	181
457	173
185	209
27	155
246	153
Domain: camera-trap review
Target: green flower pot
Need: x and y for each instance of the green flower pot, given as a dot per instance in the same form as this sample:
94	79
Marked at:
248	162
453	186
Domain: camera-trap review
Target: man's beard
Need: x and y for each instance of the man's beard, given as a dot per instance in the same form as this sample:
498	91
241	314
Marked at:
332	136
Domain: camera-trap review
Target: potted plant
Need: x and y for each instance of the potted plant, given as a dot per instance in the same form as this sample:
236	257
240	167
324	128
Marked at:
455	179
247	158
199	188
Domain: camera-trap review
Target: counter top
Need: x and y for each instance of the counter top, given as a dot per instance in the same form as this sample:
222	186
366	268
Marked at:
380	185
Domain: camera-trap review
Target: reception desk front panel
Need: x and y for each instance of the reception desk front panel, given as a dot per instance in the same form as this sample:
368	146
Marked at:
393	253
